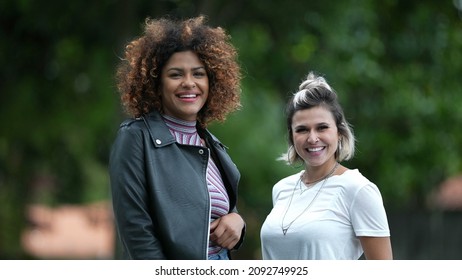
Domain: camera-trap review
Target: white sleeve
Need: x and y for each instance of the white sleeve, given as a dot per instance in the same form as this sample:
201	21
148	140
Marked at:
368	214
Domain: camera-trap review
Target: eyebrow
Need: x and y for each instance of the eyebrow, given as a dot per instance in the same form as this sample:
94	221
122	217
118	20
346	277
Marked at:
181	69
316	125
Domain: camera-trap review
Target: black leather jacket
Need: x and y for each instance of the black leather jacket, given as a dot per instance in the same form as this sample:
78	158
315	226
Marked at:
159	191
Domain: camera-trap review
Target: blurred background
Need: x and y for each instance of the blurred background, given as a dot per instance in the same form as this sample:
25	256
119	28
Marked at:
396	66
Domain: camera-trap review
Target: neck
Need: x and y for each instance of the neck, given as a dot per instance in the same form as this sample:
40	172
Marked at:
180	125
311	176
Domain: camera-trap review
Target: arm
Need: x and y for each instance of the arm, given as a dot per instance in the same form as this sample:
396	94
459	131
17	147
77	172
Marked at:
130	200
376	248
370	222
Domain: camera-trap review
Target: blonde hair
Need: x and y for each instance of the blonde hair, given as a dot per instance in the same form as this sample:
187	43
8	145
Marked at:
314	91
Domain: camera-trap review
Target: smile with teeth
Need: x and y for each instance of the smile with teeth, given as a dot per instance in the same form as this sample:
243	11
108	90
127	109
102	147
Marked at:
317	149
187	95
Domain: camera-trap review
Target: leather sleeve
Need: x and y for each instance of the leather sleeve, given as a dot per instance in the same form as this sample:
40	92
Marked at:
130	197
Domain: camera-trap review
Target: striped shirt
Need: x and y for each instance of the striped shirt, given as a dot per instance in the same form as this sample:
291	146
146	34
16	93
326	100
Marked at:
185	132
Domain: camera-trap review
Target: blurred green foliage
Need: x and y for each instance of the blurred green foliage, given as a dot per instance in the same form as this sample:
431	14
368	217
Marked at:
395	64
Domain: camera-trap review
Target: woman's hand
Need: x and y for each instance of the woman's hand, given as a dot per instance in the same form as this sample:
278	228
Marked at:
226	231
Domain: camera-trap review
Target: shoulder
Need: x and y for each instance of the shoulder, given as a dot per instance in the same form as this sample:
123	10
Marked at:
151	124
353	182
130	128
287	182
131	123
354	178
152	119
129	134
359	186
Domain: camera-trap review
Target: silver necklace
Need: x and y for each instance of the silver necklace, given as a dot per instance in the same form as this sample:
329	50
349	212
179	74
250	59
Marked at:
309	185
286	228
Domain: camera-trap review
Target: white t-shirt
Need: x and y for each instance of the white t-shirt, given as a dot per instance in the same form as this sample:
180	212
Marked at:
348	206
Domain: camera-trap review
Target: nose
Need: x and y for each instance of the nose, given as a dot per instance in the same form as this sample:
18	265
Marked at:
188	82
312	138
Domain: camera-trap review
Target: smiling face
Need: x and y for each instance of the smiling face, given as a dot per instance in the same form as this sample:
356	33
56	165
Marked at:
315	136
185	86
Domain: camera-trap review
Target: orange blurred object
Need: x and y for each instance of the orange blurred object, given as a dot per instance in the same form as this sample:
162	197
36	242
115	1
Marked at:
70	232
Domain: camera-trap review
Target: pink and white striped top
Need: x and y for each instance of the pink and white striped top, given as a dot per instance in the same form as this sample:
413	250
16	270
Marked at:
185	132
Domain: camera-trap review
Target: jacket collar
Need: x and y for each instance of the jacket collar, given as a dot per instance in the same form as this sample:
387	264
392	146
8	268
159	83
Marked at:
160	134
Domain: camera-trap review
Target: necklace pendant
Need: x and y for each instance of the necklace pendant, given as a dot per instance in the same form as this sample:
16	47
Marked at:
284	231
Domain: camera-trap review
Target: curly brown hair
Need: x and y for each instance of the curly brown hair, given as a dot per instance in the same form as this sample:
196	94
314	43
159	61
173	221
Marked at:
138	75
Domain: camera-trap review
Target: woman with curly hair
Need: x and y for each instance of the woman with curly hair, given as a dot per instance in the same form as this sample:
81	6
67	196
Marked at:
174	187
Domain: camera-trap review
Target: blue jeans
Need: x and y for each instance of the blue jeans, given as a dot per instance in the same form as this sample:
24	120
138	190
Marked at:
222	255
